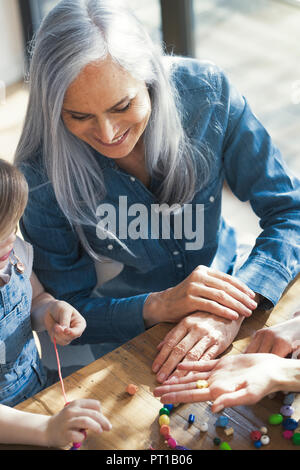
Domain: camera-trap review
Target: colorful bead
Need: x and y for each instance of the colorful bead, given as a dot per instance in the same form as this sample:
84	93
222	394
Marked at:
296	439
225	446
289	424
164	419
169	407
191	419
171	443
289	399
217	441
287	410
265	440
202	384
164	411
257	444
264	430
275	419
287	434
131	389
229	431
255	435
222	421
165	430
203	427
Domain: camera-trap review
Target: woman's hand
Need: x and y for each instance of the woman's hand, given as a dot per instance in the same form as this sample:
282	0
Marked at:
198	336
206	290
281	339
234	380
63	322
65	427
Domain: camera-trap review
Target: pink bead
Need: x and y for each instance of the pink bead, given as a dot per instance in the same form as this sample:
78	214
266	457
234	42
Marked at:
171	443
288	434
76	445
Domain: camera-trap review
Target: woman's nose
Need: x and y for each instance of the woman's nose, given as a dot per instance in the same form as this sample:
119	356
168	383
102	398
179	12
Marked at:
107	130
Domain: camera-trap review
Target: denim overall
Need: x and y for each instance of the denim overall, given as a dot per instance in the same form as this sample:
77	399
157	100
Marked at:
21	372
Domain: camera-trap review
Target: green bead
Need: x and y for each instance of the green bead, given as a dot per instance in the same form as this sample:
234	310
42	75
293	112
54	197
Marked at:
164	411
225	446
296	438
276	418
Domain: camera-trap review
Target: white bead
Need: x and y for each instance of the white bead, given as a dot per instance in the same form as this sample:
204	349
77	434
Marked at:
110	247
175	253
203	427
211	199
132	178
265	440
179	265
264	430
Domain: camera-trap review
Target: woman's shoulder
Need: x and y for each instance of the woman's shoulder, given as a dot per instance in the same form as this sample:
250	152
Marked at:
34	170
190	74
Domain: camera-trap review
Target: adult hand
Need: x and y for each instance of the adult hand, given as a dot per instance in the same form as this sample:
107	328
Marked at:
234	380
281	339
198	336
63	322
206	290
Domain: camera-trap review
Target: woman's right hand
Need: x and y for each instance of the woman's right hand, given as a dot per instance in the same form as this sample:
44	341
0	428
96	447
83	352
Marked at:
64	427
206	290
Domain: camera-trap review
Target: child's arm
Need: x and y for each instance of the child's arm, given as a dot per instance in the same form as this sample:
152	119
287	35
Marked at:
20	427
59	318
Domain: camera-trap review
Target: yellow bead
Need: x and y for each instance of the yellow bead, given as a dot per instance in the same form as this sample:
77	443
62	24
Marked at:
164	419
202	384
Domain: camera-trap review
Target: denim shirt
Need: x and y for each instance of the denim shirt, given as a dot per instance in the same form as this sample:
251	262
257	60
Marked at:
219	117
21	372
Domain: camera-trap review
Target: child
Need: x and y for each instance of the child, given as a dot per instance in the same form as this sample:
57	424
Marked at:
24	305
242	379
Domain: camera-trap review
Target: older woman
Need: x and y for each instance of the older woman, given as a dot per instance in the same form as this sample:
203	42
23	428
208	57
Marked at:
116	136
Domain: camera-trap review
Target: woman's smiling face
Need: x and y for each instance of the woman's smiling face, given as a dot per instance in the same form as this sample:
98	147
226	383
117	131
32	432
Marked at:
107	108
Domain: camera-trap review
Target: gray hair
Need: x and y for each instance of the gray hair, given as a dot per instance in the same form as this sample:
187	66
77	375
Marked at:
74	34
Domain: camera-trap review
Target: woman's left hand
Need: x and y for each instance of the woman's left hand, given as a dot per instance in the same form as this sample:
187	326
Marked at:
63	322
241	379
197	336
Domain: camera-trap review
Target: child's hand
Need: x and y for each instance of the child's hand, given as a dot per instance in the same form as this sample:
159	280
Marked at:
63	322
64	427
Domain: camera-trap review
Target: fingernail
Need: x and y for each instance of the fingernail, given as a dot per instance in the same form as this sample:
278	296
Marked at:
161	377
218	408
155	368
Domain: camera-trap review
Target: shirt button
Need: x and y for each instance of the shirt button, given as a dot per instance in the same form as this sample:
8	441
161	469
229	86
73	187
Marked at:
179	265
132	178
110	247
175	253
211	199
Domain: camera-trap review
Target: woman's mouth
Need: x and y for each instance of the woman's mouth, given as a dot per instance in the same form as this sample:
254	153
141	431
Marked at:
4	258
119	140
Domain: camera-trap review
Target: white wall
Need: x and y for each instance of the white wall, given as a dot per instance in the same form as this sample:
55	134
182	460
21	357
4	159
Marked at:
11	43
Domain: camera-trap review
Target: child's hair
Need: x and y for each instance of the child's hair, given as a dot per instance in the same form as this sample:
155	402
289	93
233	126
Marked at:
13	197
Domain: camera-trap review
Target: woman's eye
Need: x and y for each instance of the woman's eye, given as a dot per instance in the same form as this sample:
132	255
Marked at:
124	109
80	118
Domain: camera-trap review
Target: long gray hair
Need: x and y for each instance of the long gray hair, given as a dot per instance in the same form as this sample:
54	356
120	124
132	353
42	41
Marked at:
74	34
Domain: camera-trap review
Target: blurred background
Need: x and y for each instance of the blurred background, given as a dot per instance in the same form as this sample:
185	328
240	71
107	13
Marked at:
256	42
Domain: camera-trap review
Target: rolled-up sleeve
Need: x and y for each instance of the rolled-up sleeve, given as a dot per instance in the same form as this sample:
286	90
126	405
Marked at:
256	172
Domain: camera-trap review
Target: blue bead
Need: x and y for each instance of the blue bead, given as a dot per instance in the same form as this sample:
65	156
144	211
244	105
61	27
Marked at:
191	419
289	399
257	444
222	421
289	424
169	407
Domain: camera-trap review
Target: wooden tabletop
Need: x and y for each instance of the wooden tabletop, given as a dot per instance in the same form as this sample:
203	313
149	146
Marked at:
135	418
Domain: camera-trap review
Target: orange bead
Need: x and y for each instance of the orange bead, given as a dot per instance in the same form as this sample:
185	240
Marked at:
131	389
165	430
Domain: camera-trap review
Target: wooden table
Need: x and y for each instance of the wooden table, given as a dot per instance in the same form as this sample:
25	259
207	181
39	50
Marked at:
135	418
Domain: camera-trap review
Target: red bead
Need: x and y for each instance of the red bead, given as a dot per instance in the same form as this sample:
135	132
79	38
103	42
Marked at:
255	435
